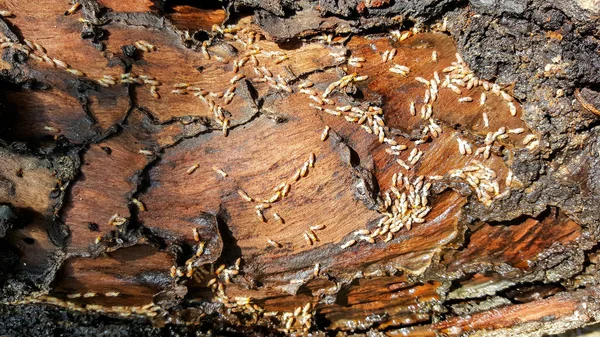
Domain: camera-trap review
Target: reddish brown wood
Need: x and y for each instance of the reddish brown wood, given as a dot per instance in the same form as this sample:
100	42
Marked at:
400	286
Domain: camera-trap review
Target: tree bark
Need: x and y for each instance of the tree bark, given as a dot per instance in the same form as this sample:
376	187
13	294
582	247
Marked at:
359	167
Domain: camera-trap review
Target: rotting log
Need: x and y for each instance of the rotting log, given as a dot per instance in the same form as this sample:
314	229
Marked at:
371	167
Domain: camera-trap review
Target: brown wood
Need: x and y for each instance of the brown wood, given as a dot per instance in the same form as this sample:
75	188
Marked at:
136	148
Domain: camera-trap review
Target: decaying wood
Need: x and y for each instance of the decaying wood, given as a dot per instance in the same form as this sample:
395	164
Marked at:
205	169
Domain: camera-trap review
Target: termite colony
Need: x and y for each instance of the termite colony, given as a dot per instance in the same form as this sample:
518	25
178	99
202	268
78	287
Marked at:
149	310
38	53
404	204
217	277
279	192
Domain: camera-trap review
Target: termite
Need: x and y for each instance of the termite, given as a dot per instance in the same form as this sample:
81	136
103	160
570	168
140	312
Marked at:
205	50
220	171
384	56
509	178
528	139
262	206
307	238
141	46
455	89
139	204
516	131
274	243
150	81
200	249
225	130
285	190
220	269
486	121
486	152
434	87
391	54
512	108
274	197
236	78
316	99
116	220
506	96
400	69
75	72
148	45
296	175
304	170
39	48
348	244
73	8
280	59
311	159
277	217
51	129
354	59
103	83
192	169
449	69
461	146
306	84
266	71
289	323
260	215
196	234
180	85
279	187
434	126
422	80
416	158
325	133
403	164
389	237
496	89
467	146
368	239
228	98
362	232
153	92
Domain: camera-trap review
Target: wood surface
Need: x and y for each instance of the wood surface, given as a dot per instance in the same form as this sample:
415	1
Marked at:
136	148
